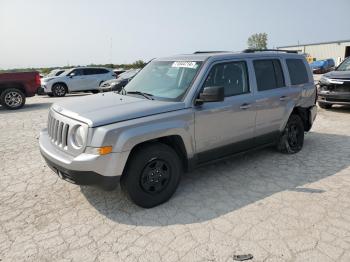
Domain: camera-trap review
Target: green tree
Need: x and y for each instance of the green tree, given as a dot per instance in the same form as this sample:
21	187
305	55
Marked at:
138	64
257	41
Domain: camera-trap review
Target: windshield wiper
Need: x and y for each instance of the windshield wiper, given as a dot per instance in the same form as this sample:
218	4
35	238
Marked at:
122	91
146	95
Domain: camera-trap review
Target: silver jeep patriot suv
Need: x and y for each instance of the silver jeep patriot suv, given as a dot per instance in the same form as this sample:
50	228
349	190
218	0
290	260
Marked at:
178	113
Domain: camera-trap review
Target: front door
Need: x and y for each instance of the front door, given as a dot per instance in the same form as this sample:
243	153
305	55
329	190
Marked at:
226	127
77	80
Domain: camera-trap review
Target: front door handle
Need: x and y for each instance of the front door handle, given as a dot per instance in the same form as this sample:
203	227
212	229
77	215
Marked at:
283	98
245	106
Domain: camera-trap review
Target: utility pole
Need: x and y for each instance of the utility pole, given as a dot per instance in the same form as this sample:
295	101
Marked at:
111	52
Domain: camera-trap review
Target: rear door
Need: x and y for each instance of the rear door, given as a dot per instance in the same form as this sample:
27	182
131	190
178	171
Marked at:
105	74
302	86
271	99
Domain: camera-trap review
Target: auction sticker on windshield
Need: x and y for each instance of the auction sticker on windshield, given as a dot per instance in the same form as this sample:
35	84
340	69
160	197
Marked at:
186	64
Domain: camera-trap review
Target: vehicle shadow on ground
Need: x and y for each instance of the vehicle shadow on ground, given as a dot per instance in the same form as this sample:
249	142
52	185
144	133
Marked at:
223	187
25	108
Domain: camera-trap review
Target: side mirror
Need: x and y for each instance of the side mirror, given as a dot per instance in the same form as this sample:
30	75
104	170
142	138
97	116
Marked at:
211	94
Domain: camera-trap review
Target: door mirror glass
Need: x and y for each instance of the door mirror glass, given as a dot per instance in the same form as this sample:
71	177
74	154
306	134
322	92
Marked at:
211	94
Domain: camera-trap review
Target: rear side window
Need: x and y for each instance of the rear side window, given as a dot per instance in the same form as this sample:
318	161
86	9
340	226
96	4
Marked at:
297	71
269	74
95	71
233	76
89	71
101	71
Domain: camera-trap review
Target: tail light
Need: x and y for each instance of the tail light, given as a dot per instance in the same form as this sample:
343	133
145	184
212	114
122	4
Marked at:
37	79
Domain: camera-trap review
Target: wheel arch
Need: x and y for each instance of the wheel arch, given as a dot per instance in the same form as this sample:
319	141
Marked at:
62	83
16	85
173	141
303	113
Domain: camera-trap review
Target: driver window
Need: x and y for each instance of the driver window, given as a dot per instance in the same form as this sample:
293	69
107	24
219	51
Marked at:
76	72
233	76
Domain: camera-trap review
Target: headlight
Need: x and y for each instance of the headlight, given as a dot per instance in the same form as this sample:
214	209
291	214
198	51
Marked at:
79	137
324	79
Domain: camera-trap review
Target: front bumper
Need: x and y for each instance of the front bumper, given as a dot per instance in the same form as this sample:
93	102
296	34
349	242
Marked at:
82	169
46	88
340	98
106	88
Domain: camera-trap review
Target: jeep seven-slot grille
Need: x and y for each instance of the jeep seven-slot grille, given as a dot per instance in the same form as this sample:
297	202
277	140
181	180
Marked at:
58	132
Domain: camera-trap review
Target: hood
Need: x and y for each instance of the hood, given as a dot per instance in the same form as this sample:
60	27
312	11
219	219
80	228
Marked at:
108	108
112	81
47	79
338	74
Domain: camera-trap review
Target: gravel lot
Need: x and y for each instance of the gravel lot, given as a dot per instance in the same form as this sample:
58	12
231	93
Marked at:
274	206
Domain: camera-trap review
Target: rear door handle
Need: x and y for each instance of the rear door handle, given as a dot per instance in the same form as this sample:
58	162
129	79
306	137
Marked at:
245	106
284	98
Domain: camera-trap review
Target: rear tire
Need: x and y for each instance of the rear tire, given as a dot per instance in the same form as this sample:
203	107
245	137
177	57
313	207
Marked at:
292	139
324	105
59	90
152	175
12	98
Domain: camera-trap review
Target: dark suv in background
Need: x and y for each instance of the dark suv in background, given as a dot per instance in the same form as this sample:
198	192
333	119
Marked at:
334	87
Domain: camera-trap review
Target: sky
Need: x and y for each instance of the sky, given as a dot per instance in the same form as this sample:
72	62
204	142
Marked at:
43	33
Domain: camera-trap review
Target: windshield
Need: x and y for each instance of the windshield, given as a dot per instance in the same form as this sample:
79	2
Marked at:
54	73
165	79
345	66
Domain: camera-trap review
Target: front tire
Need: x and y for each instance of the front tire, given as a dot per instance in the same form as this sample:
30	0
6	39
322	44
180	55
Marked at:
59	90
13	98
292	139
152	175
324	105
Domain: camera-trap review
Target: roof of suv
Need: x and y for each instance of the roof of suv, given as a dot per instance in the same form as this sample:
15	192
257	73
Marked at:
202	56
93	67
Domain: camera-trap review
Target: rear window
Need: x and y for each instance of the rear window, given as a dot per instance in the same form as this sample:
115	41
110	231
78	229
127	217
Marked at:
101	71
269	74
297	71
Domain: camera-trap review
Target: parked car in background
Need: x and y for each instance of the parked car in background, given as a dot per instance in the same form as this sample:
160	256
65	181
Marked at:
334	87
322	66
15	87
77	80
178	113
120	82
118	71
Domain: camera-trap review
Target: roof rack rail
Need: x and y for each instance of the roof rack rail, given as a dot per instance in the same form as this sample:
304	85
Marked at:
264	50
208	52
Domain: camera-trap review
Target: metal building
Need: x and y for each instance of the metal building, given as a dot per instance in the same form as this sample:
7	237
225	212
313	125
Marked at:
338	50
